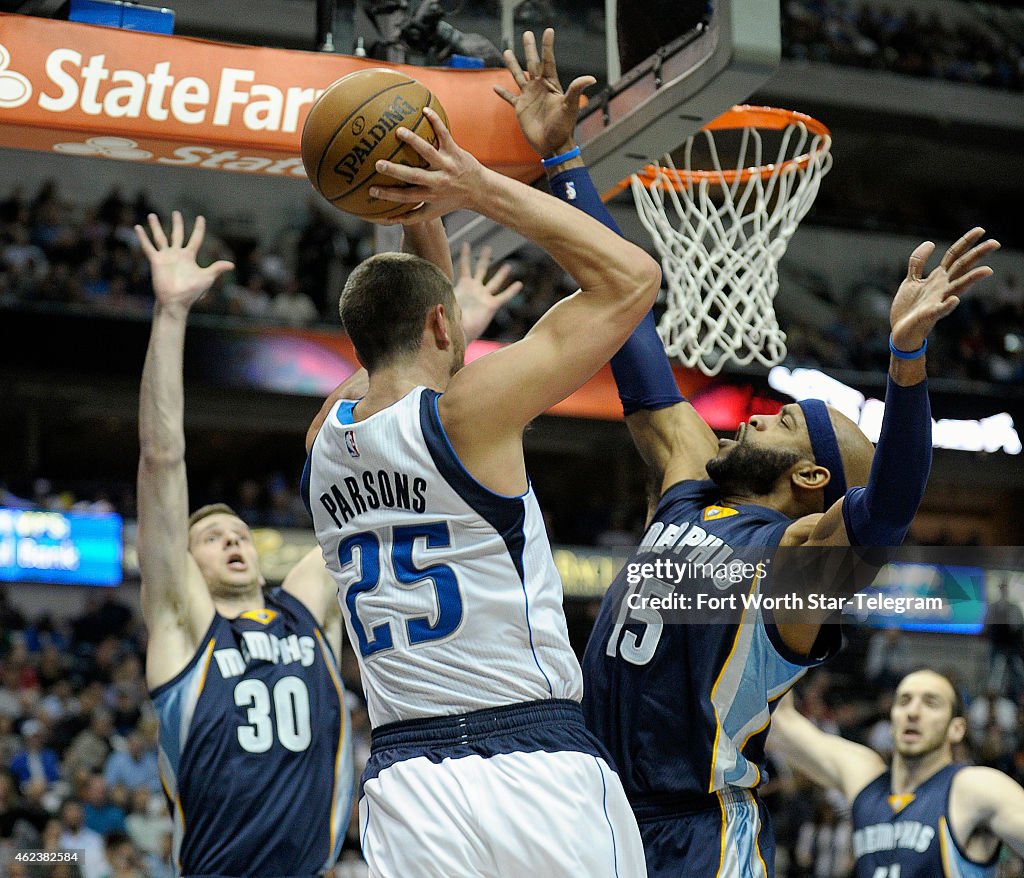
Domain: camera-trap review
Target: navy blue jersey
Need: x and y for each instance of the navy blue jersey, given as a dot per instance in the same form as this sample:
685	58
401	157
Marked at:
908	836
682	698
255	754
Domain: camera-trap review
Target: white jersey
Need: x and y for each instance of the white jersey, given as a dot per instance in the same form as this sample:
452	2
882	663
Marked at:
450	595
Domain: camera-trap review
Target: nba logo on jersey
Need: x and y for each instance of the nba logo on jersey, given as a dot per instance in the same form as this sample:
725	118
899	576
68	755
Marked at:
350	443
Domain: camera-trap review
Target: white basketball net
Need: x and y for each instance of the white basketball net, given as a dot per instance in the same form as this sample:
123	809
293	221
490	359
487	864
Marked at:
721	263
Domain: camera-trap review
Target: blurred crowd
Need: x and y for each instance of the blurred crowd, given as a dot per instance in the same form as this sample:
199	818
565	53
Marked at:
983	340
78	739
973	44
48	257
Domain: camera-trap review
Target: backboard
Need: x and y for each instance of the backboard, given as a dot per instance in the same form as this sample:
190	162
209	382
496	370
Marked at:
717	55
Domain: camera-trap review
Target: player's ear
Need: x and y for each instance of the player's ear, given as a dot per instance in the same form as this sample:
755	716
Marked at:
437	327
957	730
809	476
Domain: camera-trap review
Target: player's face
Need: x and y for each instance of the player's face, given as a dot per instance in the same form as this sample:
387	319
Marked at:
922	715
223	547
763	450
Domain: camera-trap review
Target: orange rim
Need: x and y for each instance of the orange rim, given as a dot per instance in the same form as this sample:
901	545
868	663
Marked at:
741	116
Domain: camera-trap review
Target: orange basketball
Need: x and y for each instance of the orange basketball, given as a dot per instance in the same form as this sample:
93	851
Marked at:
352	126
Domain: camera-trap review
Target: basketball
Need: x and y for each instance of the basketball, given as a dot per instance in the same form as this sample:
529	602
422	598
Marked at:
352	125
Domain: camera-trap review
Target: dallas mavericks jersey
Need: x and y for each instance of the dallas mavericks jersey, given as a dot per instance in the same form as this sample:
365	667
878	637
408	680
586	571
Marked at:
449	591
255	754
683	698
909	836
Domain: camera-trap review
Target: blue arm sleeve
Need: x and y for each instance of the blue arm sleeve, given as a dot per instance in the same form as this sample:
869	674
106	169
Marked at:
642	372
881	513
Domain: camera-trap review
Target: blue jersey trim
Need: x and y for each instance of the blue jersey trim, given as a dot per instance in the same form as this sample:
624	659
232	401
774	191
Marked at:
346	411
304	480
991	861
366	828
604	806
506	514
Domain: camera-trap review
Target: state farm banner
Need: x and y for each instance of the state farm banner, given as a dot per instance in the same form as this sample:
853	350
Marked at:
79	89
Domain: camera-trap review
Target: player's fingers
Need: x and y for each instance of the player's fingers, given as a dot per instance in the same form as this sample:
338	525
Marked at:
177	229
962	283
195	240
961	245
483	260
510	292
218	268
512	65
947	307
505	95
144	242
577	87
968	260
411	194
548	69
498	279
530	54
428	152
918	258
157	230
445	141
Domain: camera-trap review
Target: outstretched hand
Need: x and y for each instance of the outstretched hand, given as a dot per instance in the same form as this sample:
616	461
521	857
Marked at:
921	301
177	276
546	114
451	180
480	300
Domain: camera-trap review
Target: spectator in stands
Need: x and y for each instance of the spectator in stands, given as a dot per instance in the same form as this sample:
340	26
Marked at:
293	307
15	810
990	709
133	767
91	747
824	846
75	835
101	814
148	822
125	861
888	658
35	761
1004	628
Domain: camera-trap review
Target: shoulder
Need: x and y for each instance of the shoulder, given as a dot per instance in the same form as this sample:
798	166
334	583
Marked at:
978	784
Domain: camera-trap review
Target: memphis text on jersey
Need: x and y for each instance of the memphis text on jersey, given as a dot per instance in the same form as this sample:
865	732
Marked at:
375	490
907	835
265	647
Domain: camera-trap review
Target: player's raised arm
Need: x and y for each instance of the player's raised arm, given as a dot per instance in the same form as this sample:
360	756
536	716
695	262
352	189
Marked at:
828	760
574	339
176	604
310	582
987	799
673	440
880	514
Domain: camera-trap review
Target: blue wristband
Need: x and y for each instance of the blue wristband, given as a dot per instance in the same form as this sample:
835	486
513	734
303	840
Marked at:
560	159
907	355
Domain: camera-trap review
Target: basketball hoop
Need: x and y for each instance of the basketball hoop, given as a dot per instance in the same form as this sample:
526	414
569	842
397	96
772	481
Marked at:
734	224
